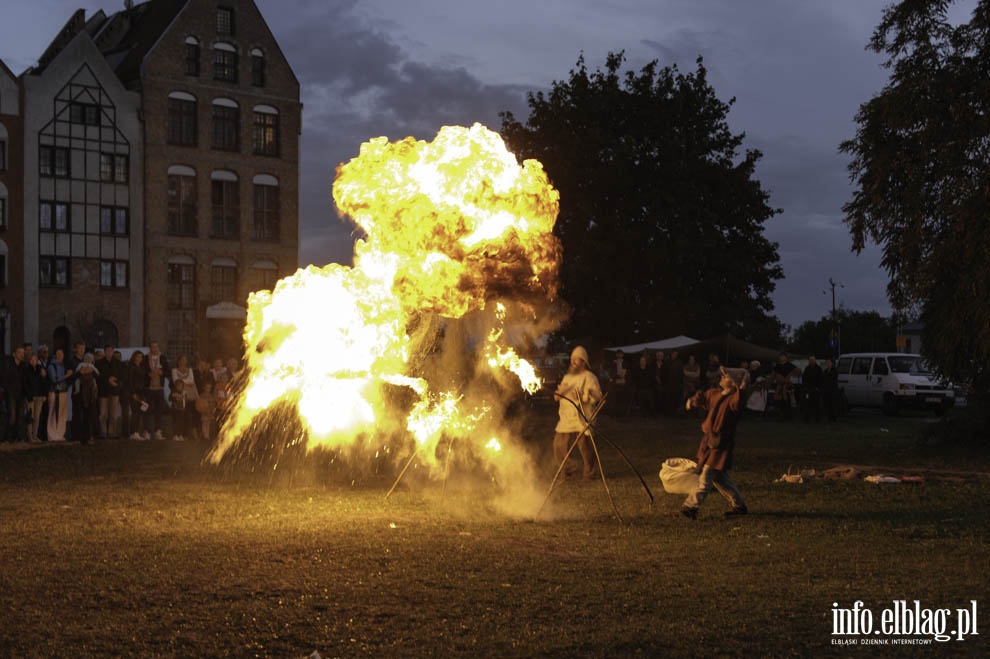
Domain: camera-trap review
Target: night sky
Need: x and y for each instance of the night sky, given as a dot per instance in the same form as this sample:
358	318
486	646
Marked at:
798	72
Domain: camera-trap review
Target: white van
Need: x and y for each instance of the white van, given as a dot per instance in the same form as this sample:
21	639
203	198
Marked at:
892	381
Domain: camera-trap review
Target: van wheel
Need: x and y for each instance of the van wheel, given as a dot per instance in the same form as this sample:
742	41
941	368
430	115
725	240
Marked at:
889	405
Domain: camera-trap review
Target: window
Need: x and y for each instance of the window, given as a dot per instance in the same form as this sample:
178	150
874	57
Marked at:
182	120
114	168
54	271
181	303
257	68
226	127
264	276
53	161
226	209
182	202
54	216
113	274
3	270
181	289
84	113
264	137
3	155
223	283
3	213
224	64
191	56
225	21
113	220
266	215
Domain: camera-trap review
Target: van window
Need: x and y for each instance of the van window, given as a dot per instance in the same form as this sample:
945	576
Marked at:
912	364
861	365
843	365
880	366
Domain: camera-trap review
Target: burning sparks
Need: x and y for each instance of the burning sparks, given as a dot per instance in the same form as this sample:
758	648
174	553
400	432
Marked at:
418	340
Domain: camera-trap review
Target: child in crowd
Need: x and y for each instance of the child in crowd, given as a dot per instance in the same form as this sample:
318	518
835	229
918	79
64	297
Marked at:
206	405
177	399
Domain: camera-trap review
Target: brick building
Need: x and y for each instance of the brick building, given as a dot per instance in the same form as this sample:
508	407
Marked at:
212	185
11	195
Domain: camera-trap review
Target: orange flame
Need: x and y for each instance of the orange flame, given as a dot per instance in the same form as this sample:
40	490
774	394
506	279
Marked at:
457	256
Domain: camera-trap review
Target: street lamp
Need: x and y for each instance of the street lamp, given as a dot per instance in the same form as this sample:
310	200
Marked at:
835	336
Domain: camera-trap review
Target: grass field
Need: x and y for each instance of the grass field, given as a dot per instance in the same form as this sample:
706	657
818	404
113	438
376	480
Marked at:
139	549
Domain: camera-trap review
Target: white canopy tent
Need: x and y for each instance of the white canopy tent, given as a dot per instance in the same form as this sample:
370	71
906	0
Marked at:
676	342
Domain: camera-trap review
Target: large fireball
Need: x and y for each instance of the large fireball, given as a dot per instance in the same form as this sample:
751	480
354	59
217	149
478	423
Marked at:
455	271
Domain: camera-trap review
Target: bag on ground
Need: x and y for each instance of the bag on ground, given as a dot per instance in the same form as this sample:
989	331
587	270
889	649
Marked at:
679	475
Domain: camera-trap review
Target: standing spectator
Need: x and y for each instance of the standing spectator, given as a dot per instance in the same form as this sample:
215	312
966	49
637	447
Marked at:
692	377
203	375
713	371
43	360
36	387
812	381
88	397
673	382
180	419
58	397
206	407
15	395
783	388
658	372
132	397
154	393
618	389
642	380
830	390
109	389
72	362
219	372
183	373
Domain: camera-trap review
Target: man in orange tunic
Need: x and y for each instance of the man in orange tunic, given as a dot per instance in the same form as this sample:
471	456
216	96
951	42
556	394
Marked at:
725	404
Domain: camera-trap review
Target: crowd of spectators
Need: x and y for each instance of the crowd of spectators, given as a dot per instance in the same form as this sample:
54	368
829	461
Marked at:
96	394
657	384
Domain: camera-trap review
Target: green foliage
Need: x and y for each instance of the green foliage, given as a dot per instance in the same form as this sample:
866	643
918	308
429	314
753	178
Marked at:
859	331
661	219
920	164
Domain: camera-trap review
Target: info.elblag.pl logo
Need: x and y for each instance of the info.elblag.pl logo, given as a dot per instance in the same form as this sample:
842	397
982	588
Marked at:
902	624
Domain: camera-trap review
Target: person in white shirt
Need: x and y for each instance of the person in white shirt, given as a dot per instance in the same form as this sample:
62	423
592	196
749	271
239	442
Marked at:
579	387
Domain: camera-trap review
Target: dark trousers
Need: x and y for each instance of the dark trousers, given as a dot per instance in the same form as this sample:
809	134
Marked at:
156	406
813	405
16	422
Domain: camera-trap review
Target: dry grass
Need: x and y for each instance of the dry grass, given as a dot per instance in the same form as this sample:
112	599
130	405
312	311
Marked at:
137	549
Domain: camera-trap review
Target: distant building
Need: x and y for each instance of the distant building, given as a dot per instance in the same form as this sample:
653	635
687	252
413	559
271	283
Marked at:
161	176
909	337
11	208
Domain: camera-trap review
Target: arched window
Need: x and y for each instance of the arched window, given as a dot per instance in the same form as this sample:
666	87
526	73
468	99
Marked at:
267	216
263	275
3	264
182	215
182	119
181	305
257	67
265	135
226	125
223	280
192	56
224	62
3	206
226	203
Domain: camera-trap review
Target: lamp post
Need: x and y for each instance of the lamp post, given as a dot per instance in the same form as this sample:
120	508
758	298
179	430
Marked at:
835	335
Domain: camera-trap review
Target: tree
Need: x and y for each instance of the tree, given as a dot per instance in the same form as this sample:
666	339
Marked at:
660	219
861	331
921	167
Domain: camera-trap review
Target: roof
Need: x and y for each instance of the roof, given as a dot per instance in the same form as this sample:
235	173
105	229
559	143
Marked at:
672	343
127	36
